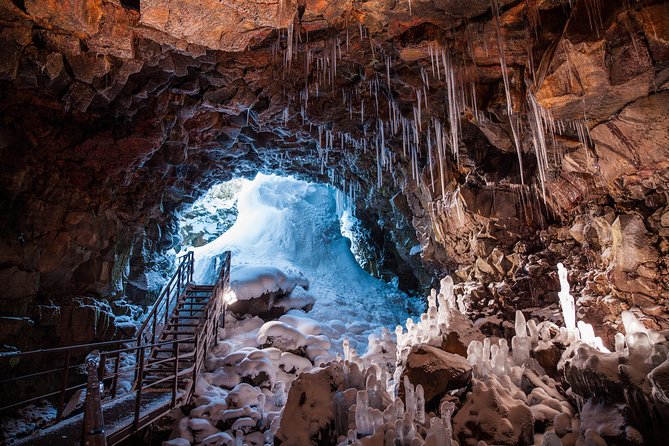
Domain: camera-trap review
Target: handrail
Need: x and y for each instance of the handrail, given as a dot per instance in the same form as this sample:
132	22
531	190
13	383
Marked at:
215	307
112	365
87	347
151	328
69	357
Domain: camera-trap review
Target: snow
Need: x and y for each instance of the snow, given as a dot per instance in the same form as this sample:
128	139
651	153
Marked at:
289	237
251	281
293	226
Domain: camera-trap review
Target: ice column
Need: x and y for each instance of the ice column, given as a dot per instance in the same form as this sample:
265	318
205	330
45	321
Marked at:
566	300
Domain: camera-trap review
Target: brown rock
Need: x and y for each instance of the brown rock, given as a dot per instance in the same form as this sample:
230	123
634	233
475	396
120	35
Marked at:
548	356
436	370
451	343
18	287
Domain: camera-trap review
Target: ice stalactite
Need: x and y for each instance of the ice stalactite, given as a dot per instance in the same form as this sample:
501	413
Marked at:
454	104
513	119
594	10
539	119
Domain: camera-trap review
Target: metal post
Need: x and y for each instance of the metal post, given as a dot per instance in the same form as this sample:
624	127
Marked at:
138	395
63	387
93	433
192	266
176	374
117	365
101	367
179	271
153	330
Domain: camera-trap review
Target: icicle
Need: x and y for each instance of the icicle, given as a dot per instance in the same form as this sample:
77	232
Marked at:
388	74
362	111
289	49
430	50
379	177
454	108
418	103
537	117
429	158
507	89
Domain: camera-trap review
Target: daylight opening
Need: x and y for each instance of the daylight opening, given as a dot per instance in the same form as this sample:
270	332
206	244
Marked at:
290	253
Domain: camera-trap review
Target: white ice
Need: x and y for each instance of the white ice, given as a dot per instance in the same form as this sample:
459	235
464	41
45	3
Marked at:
293	225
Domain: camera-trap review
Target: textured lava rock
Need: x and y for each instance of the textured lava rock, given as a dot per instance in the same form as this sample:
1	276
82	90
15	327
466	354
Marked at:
436	370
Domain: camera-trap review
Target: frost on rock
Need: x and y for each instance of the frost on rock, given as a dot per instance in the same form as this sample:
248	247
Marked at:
266	291
253	281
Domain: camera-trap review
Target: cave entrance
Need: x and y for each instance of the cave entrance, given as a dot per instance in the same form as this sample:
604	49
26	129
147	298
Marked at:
300	228
272	221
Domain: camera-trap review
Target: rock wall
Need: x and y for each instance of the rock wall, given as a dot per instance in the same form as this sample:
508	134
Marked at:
114	117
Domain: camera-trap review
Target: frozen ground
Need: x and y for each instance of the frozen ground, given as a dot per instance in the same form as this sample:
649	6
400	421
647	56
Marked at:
295	226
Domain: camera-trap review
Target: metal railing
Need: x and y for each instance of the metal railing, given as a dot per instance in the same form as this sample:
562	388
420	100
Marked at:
122	364
60	381
158	316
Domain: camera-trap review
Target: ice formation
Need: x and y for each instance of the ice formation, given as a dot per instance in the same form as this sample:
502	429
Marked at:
294	226
345	396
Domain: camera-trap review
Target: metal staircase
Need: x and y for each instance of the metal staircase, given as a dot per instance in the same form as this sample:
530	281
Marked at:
162	362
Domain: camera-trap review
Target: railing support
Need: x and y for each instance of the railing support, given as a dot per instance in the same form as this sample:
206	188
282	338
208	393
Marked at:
63	387
117	366
138	395
176	374
94	426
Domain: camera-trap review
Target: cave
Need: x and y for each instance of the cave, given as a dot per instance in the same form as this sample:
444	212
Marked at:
334	223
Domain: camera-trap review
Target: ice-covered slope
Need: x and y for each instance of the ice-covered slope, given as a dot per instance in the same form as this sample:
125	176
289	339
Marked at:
292	224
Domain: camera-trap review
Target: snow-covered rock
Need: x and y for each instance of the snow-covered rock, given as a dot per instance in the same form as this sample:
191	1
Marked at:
492	413
266	291
252	281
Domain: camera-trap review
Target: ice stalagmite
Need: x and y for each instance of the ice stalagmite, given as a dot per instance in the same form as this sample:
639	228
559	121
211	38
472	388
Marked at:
566	300
420	404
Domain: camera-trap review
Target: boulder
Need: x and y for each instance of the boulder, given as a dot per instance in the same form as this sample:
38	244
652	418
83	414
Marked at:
436	370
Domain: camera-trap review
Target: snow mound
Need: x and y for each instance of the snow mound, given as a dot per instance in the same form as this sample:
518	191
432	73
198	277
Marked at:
253	281
281	335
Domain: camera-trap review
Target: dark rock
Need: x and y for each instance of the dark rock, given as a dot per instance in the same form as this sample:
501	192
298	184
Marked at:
548	355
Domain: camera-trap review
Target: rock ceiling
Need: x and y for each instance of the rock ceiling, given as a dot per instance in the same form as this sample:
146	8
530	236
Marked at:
115	113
